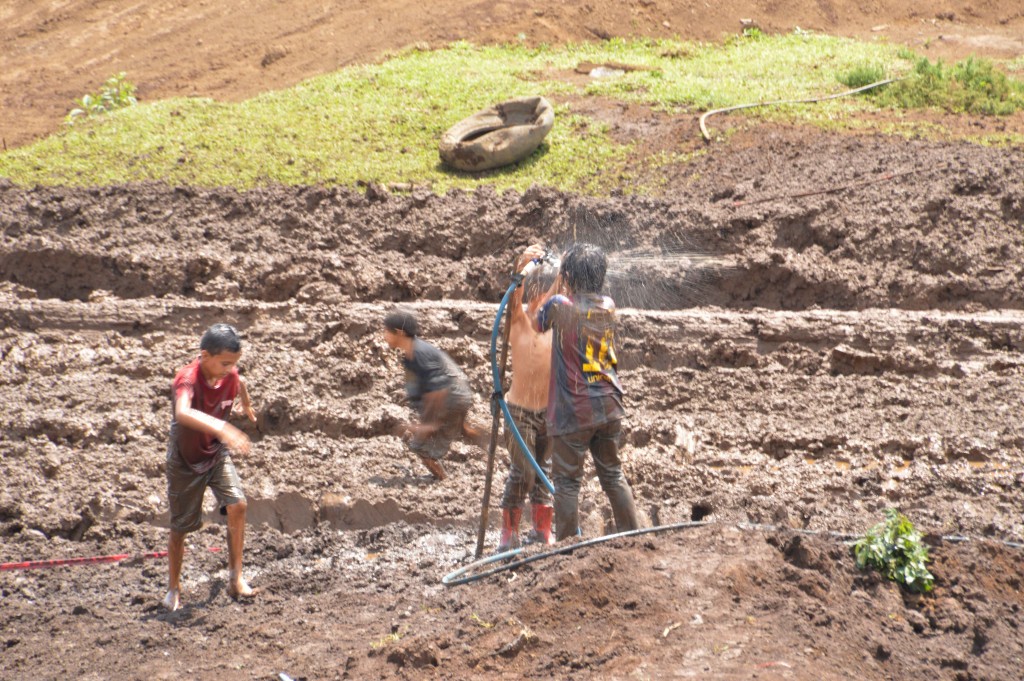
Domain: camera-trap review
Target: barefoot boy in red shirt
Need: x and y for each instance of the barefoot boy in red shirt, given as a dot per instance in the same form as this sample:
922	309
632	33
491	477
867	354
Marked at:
203	394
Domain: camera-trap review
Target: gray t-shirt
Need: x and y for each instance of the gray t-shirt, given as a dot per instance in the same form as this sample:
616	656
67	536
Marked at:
430	370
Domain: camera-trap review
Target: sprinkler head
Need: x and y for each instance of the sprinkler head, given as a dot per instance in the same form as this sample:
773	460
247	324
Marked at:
551	257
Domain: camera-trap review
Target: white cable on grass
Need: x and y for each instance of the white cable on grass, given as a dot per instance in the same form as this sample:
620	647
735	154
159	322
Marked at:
708	114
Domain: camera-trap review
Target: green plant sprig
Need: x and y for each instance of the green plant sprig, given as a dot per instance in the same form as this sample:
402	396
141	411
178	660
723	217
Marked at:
116	93
894	548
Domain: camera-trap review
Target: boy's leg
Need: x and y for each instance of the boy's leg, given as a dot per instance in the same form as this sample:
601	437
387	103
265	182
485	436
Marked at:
521	476
567	458
185	490
237	586
435	447
519	480
430	450
541	511
459	404
539	493
475	434
175	557
435	468
605	448
227	488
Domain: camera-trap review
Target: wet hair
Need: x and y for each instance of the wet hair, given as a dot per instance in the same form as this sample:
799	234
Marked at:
221	338
583	268
539	280
402	319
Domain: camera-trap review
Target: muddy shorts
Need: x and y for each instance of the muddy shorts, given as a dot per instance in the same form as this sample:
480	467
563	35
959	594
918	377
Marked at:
522	478
185	489
436	445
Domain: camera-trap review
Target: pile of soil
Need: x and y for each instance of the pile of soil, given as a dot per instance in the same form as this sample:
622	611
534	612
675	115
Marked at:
813	329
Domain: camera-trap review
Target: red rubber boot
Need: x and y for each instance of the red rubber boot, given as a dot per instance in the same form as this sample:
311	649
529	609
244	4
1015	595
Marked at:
510	518
541	532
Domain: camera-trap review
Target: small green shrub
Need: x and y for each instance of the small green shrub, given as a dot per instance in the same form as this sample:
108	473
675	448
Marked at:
972	86
894	548
749	34
117	92
907	54
985	89
864	74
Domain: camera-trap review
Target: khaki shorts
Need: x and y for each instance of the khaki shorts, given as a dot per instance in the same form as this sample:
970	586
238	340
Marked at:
185	489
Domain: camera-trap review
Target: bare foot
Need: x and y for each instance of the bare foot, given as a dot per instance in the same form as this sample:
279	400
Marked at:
238	588
172	601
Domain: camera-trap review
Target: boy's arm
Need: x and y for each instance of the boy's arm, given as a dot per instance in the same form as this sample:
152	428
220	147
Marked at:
542	322
532	253
188	417
243	393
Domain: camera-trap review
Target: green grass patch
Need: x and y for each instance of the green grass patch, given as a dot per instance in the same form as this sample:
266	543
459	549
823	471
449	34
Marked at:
382	123
972	86
863	75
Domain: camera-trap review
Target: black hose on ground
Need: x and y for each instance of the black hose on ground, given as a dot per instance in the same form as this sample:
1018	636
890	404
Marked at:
455	578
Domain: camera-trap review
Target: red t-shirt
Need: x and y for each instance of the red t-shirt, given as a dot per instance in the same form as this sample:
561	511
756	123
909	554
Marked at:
196	448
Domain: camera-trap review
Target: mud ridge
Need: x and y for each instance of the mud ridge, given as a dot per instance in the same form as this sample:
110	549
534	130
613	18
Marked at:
902	243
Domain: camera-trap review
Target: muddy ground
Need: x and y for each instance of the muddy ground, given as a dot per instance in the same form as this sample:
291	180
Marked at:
814	328
794	366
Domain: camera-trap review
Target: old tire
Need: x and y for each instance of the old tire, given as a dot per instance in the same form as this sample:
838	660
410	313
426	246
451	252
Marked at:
495	137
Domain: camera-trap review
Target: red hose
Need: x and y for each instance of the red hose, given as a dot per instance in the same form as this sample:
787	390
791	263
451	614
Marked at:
92	560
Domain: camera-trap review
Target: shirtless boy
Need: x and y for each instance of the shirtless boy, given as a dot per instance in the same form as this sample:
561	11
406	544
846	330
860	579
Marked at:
527	400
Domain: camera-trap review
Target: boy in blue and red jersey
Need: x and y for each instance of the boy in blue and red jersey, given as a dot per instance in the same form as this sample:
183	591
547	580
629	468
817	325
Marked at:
585	398
202	395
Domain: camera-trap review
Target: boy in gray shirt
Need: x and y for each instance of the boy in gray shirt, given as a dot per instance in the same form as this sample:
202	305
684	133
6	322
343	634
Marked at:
437	389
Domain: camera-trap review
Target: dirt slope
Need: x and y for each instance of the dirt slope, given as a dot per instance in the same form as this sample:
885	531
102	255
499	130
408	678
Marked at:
56	51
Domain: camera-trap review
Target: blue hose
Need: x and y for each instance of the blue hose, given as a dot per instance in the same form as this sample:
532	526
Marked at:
509	422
